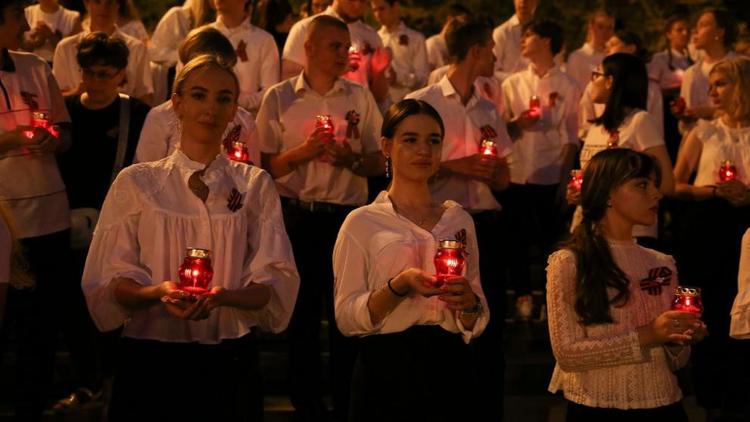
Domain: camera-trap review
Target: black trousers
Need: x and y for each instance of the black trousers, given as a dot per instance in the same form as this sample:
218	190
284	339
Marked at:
36	315
422	374
707	255
580	413
158	381
535	223
313	236
487	349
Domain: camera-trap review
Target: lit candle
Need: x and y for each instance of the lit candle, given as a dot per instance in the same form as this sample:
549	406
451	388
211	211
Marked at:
449	260
687	299
535	106
576	179
239	152
488	148
325	121
40	119
727	171
196	271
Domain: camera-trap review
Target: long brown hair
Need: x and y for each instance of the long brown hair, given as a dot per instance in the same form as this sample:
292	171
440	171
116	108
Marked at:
20	278
596	269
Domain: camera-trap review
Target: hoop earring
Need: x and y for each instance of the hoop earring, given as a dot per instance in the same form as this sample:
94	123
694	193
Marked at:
387	166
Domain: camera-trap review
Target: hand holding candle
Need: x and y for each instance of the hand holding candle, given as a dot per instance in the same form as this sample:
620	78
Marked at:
535	106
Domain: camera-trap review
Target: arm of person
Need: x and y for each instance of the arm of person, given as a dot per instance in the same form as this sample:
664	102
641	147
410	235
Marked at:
285	162
687	162
380	60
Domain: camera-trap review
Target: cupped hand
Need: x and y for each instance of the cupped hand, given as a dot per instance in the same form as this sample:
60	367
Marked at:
457	294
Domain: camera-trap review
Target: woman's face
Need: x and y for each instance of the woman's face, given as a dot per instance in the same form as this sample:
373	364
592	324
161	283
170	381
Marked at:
415	149
679	35
707	32
601	86
720	91
635	201
206	103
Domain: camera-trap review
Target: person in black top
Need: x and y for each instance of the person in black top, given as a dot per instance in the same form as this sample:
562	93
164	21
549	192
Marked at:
104	141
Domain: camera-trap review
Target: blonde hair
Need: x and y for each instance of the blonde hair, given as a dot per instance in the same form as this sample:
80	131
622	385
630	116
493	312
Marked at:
204	61
20	278
737	71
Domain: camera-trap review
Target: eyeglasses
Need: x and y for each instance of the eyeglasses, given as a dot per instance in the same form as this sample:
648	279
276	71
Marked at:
102	75
595	74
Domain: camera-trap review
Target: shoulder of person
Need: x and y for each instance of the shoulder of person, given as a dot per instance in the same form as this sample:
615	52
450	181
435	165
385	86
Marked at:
413	33
132	42
25	60
661	257
423	93
562	257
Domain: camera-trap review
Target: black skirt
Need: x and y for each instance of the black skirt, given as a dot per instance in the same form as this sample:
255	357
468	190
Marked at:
423	373
159	381
580	413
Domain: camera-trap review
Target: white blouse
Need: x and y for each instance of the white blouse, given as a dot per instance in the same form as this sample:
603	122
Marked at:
374	245
603	365
740	325
150	217
721	143
658	69
162	131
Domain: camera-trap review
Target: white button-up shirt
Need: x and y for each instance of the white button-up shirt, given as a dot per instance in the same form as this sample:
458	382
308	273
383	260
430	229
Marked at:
581	62
31	187
437	51
288	116
150	217
63	20
257	65
162	131
507	50
695	82
465	127
374	245
538	155
659	69
488	87
138	80
363	38
409	59
721	143
169	33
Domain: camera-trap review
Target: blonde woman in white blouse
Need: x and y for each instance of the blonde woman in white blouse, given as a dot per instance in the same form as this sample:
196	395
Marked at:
715	216
414	336
186	357
614	338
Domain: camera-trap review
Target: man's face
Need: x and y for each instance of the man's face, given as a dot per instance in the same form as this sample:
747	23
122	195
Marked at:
486	61
102	10
384	13
229	6
350	10
13	26
602	29
328	50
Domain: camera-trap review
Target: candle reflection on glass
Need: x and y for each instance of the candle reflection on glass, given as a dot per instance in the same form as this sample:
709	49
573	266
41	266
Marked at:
488	148
727	171
239	152
196	271
449	260
687	299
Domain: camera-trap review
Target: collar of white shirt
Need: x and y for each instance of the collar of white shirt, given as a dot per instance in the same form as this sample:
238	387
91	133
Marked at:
400	29
384	199
301	87
245	25
551	72
448	90
187	166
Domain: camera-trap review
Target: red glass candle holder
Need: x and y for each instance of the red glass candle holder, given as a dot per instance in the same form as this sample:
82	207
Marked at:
324	121
449	260
576	179
196	271
40	119
535	106
239	152
687	299
488	148
678	106
727	171
354	58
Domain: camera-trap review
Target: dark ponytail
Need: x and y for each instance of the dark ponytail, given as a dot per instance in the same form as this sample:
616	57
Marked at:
597	270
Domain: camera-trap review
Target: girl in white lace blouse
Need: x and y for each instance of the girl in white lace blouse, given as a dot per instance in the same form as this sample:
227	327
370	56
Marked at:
614	338
385	289
186	357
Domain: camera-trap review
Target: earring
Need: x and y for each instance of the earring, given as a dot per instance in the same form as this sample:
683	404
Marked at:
387	166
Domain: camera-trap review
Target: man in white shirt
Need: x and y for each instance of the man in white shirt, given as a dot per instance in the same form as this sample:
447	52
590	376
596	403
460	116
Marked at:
257	65
103	15
33	192
541	108
437	51
581	62
368	60
507	38
321	174
49	23
469	178
408	69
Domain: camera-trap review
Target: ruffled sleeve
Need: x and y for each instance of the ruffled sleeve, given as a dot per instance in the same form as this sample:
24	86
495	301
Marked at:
574	350
740	324
114	252
270	260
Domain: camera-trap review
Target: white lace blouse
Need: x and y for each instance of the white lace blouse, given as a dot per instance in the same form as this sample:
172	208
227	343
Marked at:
740	325
150	217
375	244
603	365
